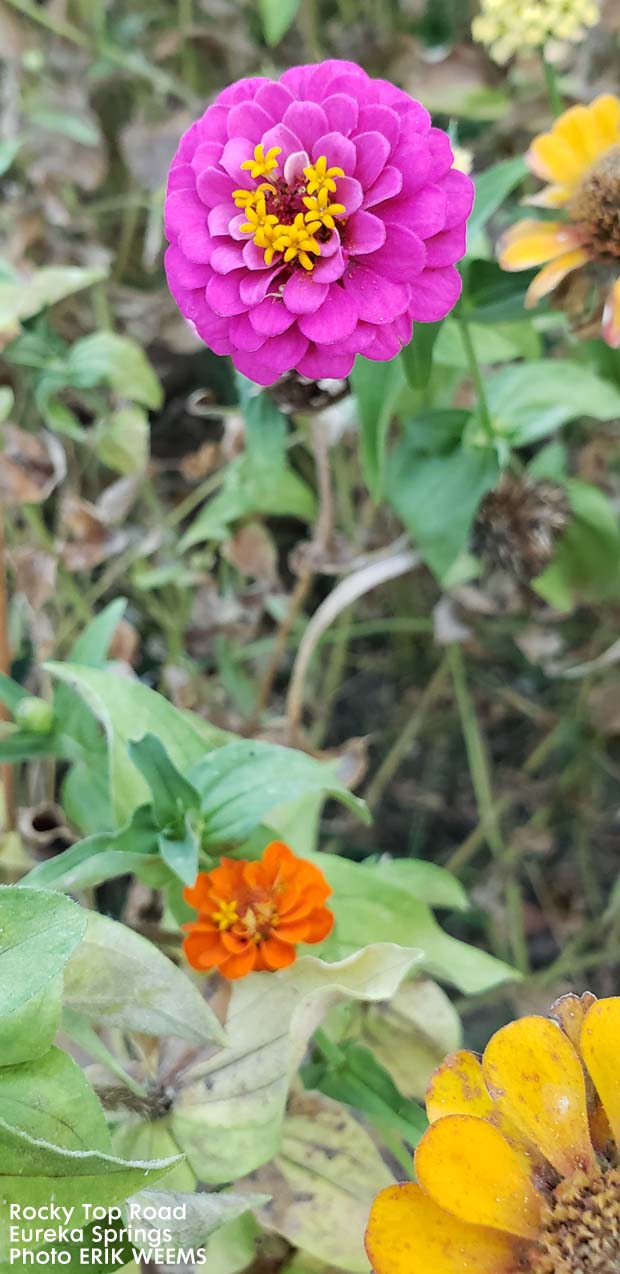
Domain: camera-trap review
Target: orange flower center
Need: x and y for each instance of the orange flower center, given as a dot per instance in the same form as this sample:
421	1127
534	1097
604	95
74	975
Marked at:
596	205
254	916
581	1227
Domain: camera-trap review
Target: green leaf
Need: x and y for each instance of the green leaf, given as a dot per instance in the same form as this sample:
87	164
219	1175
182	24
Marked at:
120	362
586	564
51	1100
276	17
418	355
7	400
500	343
171	794
103	856
92	645
377	387
412	1034
118	978
250	781
128	710
11	693
425	881
249	489
9	149
228	1117
530	400
369	908
180	853
492	187
361	1081
322	1182
45	287
203	1214
437	498
38	934
122	440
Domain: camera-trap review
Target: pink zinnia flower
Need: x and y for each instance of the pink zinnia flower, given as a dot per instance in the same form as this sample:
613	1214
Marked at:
314	218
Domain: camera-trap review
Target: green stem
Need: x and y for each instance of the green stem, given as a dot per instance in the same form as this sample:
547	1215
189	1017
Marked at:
328	1050
553	89
476	375
476	751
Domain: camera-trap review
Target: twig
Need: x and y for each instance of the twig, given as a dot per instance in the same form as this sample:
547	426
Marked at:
342	596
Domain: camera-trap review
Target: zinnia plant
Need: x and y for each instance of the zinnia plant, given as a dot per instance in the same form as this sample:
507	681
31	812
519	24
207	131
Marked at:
314	218
252	915
580	158
518	1171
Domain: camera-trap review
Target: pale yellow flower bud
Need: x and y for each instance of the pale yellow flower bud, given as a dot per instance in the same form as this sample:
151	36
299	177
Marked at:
507	26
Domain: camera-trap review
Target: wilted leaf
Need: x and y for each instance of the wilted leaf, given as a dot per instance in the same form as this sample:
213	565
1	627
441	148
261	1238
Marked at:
30	466
412	1034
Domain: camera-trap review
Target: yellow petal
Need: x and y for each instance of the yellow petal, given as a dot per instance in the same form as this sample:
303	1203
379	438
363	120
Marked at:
548	278
600	1044
533	242
570	1012
409	1234
611	317
605	120
554	159
533	1071
458	1088
469	1169
550	197
577	129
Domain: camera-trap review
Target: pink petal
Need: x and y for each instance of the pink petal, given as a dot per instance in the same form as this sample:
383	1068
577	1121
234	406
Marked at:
434	293
373	151
378	300
242	90
278	355
338	150
294	166
183	209
223	294
380	119
446	248
234	154
334	320
181	177
424	212
330	268
234	228
212	126
196	244
271	317
187	273
283	137
274	97
364	233
390	339
303	294
459	190
254	287
226	257
389	184
349	192
243	335
441	153
402	257
207	155
413	157
248	120
214	186
220	217
308	120
323	363
253	256
336	76
342	112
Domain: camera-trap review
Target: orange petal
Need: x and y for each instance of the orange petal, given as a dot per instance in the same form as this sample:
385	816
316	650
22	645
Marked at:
532	242
409	1234
320	923
531	1068
201	950
469	1169
610	329
600	1045
570	1011
551	275
237	966
276	954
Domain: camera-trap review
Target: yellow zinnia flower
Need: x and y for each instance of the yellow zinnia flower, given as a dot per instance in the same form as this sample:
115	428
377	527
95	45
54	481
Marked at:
507	27
519	1171
580	158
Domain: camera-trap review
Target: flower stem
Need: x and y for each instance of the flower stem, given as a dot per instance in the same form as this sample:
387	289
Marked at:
476	374
553	88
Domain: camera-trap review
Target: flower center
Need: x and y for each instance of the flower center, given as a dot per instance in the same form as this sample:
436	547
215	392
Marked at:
581	1227
293	213
597	205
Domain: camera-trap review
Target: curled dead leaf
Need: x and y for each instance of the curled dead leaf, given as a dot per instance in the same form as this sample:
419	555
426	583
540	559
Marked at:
31	466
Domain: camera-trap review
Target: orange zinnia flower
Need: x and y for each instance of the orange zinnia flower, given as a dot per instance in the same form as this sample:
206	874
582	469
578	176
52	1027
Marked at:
253	914
519	1172
580	157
